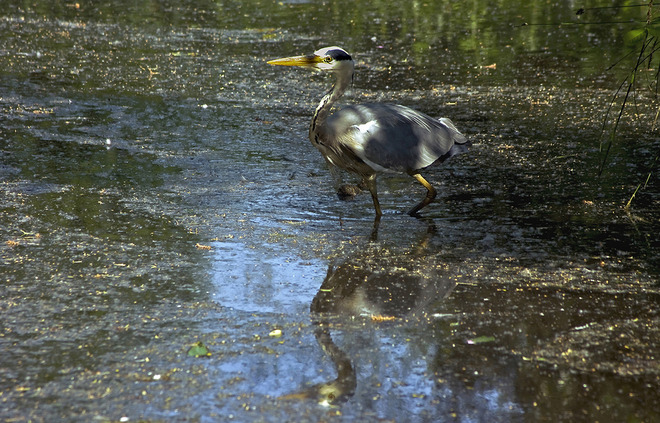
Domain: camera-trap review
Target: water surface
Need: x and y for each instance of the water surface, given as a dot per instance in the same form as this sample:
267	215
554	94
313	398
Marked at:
158	190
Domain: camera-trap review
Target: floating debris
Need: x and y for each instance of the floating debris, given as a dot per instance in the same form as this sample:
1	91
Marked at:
199	350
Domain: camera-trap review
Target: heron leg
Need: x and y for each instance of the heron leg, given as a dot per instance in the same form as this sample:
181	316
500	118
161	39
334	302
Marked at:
430	195
370	182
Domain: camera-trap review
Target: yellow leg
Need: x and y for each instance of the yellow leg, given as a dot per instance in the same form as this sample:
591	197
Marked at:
430	195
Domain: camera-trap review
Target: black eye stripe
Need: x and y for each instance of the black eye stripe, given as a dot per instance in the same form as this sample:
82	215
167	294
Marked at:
339	55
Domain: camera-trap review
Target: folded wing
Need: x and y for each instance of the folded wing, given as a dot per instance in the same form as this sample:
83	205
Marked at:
395	138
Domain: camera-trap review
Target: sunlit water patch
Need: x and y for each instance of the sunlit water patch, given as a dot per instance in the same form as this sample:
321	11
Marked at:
256	281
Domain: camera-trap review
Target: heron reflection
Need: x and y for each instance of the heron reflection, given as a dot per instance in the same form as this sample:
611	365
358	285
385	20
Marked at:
379	285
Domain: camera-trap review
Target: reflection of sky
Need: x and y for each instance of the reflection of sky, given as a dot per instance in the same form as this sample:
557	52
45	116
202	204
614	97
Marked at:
392	364
393	380
260	290
253	281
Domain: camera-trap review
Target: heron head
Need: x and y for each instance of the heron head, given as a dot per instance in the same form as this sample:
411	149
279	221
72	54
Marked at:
326	59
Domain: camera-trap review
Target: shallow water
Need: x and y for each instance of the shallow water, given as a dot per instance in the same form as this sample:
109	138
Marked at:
158	190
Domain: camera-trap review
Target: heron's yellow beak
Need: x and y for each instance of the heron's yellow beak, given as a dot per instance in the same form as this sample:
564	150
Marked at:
310	61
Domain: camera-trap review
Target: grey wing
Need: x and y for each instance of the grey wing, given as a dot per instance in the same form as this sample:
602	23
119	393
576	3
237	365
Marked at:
396	138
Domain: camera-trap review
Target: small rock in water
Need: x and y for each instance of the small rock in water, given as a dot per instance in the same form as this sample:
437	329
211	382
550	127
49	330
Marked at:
348	191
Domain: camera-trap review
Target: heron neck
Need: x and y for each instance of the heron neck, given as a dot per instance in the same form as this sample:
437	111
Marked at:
323	110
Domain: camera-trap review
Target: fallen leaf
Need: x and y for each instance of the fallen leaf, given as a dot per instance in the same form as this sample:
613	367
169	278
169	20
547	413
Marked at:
199	350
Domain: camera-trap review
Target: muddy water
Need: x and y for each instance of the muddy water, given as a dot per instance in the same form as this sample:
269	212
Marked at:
158	190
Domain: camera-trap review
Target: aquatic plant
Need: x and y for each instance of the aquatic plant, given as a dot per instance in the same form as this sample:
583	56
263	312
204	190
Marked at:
643	42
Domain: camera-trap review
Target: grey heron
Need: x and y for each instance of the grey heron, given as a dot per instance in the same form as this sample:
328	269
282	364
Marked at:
368	139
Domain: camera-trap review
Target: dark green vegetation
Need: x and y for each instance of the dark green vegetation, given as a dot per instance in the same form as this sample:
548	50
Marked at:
157	190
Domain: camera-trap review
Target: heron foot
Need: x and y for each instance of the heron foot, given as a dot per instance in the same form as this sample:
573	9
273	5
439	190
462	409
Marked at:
430	195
